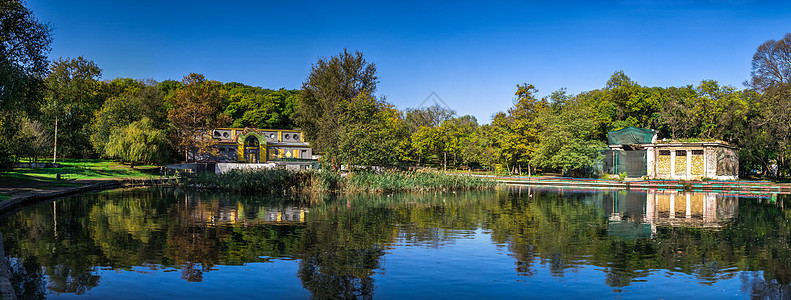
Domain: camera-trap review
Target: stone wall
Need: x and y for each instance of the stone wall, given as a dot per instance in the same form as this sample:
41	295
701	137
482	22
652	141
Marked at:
225	167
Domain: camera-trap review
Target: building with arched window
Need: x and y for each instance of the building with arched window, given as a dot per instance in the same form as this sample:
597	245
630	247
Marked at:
254	145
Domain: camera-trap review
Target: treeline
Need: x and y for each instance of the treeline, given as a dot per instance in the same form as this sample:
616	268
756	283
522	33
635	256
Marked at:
63	109
138	120
561	132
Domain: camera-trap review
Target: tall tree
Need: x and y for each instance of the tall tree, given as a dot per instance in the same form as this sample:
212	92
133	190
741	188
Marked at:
74	93
771	64
771	76
431	116
34	139
519	131
24	44
196	110
567	139
677	115
326	95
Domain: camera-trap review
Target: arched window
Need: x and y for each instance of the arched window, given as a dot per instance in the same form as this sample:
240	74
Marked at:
251	141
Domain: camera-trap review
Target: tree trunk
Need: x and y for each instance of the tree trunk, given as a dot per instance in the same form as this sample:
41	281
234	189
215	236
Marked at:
132	164
529	174
55	151
445	161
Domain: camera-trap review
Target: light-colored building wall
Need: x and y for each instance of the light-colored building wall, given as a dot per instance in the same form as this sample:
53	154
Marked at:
692	161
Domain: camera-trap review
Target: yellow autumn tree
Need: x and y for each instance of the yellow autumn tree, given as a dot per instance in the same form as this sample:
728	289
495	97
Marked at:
196	110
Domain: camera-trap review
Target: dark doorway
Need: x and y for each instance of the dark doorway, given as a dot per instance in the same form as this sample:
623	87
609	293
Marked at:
251	149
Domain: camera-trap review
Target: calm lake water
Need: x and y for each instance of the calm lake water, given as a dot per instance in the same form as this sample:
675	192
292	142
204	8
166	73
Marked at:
513	242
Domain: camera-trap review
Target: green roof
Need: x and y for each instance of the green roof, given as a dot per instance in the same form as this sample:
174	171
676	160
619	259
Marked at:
629	230
630	136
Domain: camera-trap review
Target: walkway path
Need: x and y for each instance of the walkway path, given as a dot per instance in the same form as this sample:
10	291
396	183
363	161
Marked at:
743	186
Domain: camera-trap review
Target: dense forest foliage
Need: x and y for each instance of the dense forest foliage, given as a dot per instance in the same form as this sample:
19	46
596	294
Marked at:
64	109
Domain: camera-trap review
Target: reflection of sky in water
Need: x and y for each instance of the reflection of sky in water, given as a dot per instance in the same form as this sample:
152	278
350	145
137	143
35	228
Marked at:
471	268
475	268
274	280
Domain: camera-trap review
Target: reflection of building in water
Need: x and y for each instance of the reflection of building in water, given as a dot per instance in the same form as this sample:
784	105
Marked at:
213	213
284	215
637	215
691	209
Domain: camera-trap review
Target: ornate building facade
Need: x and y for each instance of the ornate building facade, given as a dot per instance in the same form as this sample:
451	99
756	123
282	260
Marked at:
252	145
638	152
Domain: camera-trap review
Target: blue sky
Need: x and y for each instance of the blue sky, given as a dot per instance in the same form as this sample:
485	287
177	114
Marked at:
472	54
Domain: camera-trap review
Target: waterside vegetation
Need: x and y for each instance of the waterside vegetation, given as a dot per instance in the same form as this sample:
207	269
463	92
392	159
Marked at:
327	182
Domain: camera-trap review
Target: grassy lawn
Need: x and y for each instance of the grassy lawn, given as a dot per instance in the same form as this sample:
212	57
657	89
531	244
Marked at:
78	169
19	180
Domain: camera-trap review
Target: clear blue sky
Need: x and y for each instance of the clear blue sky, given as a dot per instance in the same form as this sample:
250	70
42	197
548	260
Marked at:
472	54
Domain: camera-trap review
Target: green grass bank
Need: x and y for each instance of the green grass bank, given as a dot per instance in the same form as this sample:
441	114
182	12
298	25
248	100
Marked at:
73	172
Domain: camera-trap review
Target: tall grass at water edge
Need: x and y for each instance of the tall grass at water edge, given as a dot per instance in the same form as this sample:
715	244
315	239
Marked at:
284	182
422	181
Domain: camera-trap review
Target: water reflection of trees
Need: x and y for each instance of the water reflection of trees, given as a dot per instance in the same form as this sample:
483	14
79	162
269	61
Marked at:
340	250
340	242
70	240
574	226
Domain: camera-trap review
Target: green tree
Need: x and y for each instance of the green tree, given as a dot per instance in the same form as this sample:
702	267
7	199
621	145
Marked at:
327	96
454	134
677	115
710	109
117	112
774	123
138	141
425	142
74	93
770	129
476	150
24	44
567	139
516	134
370	133
261	108
133	100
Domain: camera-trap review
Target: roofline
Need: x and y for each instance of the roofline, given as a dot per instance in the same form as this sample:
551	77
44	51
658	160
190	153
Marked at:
259	129
697	144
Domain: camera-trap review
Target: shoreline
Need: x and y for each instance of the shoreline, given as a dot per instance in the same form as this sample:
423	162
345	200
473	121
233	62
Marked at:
737	187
